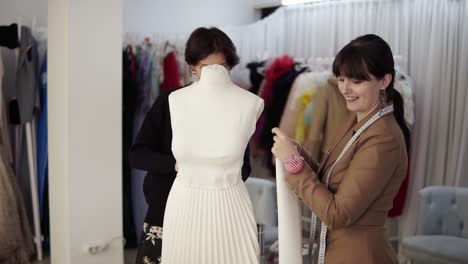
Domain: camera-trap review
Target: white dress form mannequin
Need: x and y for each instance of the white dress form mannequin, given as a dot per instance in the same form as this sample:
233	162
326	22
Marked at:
209	216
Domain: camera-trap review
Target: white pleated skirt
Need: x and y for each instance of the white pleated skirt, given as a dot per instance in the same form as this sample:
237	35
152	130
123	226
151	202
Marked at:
209	226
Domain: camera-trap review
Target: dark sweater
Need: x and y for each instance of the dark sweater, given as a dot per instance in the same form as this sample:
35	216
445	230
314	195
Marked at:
9	36
152	152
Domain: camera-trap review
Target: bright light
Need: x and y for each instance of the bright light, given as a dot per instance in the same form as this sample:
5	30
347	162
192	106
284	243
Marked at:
296	2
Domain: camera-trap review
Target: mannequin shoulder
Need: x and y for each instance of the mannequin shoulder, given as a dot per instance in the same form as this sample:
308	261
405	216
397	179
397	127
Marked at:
180	92
249	101
248	96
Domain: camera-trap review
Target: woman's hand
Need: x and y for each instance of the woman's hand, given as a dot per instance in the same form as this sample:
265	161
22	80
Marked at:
283	146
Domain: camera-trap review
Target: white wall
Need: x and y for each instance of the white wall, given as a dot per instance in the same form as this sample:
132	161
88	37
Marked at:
149	15
26	10
85	108
185	15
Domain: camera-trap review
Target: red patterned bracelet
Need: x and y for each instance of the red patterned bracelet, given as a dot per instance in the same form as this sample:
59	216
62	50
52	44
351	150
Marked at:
294	164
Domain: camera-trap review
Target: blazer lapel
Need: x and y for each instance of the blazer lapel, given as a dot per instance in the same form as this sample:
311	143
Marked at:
349	124
352	124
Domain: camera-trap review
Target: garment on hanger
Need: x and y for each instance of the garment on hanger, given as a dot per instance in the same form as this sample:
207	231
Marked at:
42	141
16	245
400	198
329	114
403	84
129	106
154	75
171	73
255	76
5	139
45	219
182	68
261	120
278	69
144	81
9	36
275	109
43	155
304	83
308	114
132	62
22	101
25	101
301	129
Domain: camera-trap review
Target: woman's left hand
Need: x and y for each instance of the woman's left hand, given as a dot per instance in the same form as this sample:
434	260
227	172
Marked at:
283	146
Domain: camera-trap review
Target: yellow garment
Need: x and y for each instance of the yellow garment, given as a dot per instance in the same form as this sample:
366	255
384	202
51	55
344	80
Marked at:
304	101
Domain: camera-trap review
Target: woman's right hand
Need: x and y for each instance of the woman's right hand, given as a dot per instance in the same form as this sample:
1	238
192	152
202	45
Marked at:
283	146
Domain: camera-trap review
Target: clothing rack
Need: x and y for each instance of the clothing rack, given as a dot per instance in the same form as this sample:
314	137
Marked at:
173	40
326	63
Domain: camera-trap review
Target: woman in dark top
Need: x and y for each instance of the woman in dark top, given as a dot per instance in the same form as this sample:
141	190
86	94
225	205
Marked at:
152	149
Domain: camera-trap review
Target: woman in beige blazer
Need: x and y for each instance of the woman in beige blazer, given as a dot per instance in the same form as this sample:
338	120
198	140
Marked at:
352	189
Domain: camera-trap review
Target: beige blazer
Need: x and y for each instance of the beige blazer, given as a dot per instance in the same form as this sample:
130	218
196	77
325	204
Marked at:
361	191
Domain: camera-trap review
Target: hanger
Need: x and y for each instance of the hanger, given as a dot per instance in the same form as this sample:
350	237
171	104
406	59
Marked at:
33	26
167	45
18	21
299	60
40	33
262	56
145	44
320	63
125	40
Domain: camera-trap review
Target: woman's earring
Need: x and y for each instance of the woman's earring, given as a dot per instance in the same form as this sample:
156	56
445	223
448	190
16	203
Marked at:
382	99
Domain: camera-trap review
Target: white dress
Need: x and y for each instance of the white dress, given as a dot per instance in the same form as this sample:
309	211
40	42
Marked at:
209	216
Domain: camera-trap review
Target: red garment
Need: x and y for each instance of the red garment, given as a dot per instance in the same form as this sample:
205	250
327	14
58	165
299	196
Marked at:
132	62
277	69
171	73
399	200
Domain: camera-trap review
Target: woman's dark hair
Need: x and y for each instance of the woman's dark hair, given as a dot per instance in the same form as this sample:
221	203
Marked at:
370	54
205	41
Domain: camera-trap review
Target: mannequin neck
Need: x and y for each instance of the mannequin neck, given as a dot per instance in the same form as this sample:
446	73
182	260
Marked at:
216	76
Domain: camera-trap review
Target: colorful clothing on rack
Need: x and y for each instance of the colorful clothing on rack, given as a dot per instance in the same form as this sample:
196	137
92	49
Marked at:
303	83
275	110
329	114
301	128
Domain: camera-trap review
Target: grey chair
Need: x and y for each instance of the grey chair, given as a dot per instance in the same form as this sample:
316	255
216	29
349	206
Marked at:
442	234
262	192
